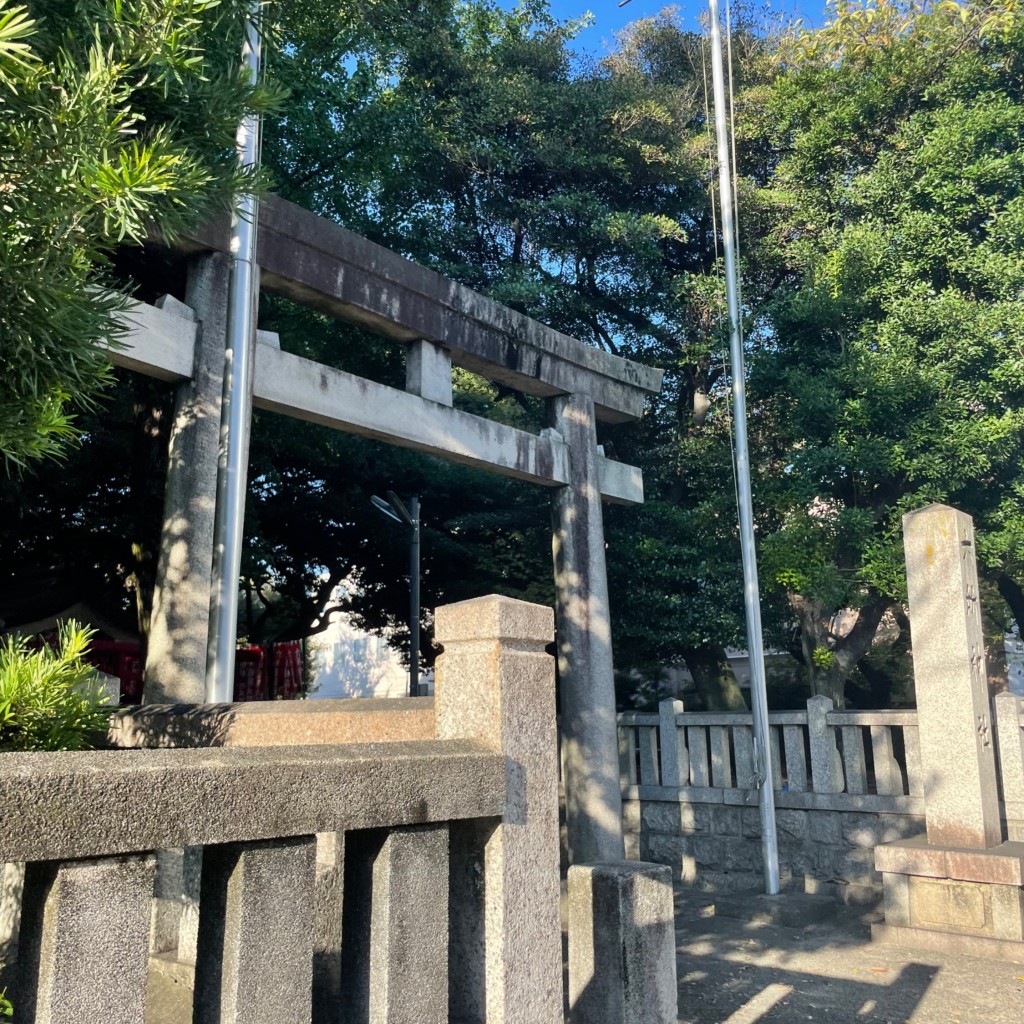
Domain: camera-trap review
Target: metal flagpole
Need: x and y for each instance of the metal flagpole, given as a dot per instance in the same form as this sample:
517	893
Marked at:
243	292
751	599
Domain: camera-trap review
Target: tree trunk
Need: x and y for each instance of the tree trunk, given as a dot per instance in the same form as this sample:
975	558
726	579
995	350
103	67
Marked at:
831	659
1010	591
714	678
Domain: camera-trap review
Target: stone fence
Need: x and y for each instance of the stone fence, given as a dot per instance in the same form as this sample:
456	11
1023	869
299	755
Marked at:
845	782
412	881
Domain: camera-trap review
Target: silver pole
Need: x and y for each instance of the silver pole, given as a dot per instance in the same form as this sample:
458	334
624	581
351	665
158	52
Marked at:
751	600
243	293
414	599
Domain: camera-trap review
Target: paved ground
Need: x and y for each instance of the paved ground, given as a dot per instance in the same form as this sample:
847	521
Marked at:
735	971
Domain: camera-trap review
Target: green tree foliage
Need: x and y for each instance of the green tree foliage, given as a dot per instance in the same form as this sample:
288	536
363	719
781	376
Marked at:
890	365
50	698
576	193
115	119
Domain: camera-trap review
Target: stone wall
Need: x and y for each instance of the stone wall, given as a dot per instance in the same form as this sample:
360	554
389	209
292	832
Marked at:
845	782
716	846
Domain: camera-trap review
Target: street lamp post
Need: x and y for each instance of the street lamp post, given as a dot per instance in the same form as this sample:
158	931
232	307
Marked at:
393	508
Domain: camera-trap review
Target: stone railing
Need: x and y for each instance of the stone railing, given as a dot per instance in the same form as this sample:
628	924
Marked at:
816	751
844	782
447	903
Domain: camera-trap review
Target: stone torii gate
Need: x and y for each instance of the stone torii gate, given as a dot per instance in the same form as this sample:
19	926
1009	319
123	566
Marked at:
313	261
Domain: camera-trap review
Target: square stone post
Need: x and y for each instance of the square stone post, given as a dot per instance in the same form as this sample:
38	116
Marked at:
328	901
593	792
84	947
1010	739
622	949
12	878
826	761
176	653
395	934
254	963
960	792
428	372
675	761
496	684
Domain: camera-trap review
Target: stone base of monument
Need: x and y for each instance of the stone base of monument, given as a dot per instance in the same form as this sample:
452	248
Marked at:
953	900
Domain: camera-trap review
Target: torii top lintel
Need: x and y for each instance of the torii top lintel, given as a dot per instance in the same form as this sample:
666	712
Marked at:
314	261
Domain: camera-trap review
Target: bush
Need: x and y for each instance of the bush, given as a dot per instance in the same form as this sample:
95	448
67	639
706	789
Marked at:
51	699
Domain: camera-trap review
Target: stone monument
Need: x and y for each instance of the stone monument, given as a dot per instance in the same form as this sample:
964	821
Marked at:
959	887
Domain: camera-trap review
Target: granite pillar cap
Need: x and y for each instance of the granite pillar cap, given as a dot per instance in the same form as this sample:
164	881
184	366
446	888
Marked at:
494	618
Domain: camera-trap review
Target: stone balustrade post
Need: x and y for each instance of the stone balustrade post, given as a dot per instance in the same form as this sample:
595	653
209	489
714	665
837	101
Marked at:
254	962
495	683
1010	739
395	931
622	950
826	762
83	953
12	878
675	764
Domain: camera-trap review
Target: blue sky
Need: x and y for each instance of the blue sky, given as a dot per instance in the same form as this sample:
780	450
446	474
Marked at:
609	17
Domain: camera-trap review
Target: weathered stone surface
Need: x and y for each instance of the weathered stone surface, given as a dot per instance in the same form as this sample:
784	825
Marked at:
741	855
949	942
826	762
505	877
940	903
727	821
395	935
1007	909
428	372
863	830
695	819
622	965
84	948
176	903
275	723
824	827
661	848
751	822
328	893
792	824
634	846
1010	741
896	895
632	811
159	341
60	804
176	649
590	765
708	851
662	817
857	867
675	763
961	795
313	260
255	958
1001	865
12	877
874	829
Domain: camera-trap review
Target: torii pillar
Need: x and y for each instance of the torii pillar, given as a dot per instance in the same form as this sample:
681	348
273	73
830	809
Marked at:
590	761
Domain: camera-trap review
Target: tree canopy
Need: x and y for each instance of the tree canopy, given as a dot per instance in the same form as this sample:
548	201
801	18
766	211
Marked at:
888	365
115	119
882	210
